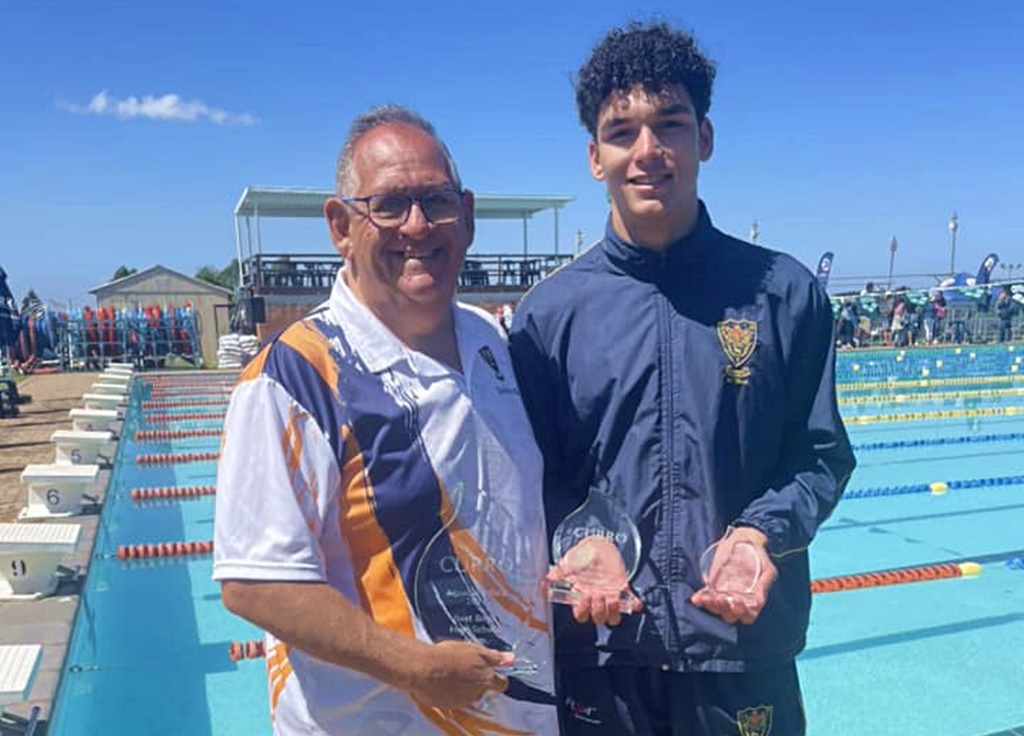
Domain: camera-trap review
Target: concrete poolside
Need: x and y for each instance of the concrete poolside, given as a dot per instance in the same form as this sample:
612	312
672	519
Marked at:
25	440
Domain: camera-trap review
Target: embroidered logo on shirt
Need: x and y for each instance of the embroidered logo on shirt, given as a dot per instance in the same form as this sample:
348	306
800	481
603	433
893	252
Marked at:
738	338
488	356
755	721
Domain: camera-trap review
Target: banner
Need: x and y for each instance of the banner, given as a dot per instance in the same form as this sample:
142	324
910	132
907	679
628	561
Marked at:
986	268
825	268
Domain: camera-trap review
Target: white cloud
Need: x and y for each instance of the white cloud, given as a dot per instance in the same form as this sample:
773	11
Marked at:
165	107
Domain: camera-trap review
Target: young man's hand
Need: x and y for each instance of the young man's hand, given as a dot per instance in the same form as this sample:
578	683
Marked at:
594	577
740	575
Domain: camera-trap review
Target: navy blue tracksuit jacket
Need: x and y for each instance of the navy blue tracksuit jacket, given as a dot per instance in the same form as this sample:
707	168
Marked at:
699	382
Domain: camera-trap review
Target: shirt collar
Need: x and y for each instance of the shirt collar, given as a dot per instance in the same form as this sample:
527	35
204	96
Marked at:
376	345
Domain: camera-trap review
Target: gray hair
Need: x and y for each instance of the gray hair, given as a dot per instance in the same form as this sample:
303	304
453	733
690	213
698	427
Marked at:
345	179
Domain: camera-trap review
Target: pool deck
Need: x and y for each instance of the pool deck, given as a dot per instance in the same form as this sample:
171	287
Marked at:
48	621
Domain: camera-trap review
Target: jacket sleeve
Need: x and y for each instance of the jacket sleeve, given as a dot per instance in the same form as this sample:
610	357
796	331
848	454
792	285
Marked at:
816	458
534	368
537	363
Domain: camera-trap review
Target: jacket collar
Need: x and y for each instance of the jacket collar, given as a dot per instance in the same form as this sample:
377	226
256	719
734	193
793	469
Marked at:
651	264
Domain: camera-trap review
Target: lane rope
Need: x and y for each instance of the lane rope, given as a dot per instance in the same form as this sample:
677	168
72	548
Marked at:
171	492
175	458
935	487
896	576
932	441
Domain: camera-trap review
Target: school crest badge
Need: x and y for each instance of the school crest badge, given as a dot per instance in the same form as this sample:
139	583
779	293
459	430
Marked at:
755	721
738	338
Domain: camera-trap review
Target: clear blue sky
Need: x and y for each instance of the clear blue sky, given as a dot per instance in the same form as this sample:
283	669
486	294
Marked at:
838	124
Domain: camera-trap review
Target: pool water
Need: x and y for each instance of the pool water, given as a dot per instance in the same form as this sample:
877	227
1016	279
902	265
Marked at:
149	651
940	657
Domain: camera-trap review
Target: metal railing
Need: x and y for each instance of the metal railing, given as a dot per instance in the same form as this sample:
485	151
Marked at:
313	274
507	272
290	274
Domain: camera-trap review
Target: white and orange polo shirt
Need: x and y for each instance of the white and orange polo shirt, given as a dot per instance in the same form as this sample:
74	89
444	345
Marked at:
411	488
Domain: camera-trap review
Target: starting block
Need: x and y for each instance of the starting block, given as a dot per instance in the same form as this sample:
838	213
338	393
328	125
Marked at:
57	490
19	664
103	401
122	379
29	556
94	420
83	447
113	389
120	368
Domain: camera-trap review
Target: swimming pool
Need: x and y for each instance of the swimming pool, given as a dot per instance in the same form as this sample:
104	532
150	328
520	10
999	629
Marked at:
149	651
938	435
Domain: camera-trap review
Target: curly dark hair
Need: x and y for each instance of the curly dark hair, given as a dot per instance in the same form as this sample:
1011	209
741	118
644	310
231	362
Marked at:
653	56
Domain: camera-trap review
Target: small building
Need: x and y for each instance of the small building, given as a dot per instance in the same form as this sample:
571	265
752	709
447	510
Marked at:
167	288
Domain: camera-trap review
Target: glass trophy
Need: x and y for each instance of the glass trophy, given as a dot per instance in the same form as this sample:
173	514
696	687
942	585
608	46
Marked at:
473	582
731	567
597	552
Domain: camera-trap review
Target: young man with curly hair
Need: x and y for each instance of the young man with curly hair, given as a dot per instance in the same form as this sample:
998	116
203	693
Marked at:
690	374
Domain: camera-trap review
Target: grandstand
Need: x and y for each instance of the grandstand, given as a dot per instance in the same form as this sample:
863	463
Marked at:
278	288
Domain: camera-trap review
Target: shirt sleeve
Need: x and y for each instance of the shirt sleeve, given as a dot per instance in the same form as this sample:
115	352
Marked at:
274	482
816	460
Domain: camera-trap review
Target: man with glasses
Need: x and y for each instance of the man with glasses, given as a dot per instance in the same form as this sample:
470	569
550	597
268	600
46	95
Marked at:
378	498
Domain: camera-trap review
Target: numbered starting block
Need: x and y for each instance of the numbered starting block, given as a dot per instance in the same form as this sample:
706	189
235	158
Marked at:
120	368
94	420
30	555
58	490
83	447
19	664
115	377
103	401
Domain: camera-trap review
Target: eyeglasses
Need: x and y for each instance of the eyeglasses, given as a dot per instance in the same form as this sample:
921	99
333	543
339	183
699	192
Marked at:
440	207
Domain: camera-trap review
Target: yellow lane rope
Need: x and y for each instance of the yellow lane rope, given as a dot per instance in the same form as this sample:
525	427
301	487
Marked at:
926	415
927	382
933	396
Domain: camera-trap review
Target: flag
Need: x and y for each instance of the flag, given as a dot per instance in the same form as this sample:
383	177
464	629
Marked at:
986	268
825	268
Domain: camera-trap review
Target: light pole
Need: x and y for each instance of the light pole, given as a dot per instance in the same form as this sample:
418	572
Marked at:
954	223
754	232
1010	268
893	245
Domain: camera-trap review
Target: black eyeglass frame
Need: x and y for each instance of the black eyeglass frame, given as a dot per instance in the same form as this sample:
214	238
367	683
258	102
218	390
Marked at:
408	210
